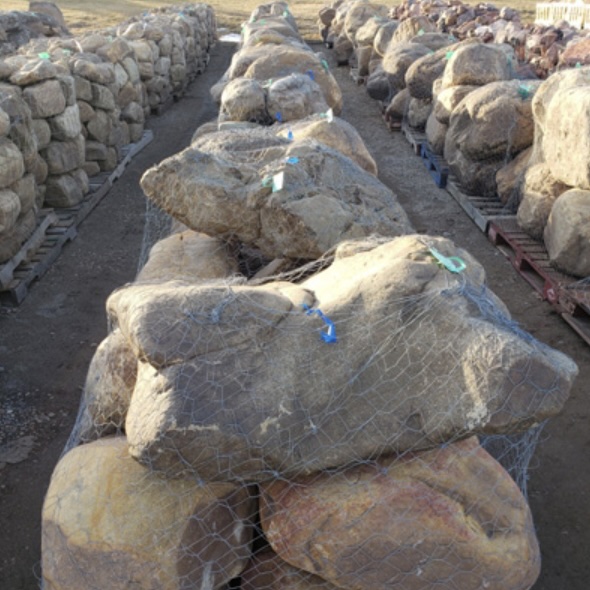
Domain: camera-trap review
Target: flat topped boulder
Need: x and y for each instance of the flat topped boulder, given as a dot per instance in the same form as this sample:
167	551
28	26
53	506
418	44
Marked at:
294	199
382	352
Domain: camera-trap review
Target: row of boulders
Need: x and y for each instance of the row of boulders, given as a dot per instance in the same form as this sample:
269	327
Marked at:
542	47
274	75
478	112
315	428
70	104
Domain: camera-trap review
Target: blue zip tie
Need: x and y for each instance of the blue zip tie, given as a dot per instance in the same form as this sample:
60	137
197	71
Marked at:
311	74
290	135
279	117
328	337
292	160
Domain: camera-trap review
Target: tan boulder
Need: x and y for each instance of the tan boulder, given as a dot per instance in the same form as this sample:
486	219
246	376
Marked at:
9	210
539	192
12	166
447	99
11	240
436	133
286	60
398	59
243	100
410	27
107	391
509	179
294	97
566	138
567	233
242	379
359	13
337	134
109	522
446	517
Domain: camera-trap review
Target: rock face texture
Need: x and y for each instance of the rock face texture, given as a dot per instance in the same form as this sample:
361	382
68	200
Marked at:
295	199
126	526
416	522
186	416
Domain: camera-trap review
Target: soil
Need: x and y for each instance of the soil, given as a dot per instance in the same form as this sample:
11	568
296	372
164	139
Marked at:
47	343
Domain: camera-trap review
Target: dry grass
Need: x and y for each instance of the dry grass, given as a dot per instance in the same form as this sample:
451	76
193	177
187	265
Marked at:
93	14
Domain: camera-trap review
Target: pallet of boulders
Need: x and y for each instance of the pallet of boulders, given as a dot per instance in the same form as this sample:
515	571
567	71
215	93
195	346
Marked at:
295	389
73	103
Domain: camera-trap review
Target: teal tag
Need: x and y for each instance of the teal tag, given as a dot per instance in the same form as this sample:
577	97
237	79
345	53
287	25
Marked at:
45	55
449	54
453	264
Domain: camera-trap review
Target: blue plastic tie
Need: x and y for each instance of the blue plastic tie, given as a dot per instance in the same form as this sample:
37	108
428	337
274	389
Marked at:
279	117
329	337
292	160
451	263
311	74
290	135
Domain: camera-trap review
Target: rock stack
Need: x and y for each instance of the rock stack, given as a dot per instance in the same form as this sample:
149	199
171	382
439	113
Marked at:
73	103
293	388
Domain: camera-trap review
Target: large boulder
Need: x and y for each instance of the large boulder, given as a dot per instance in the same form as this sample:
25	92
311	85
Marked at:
447	517
509	179
243	99
359	13
566	139
12	166
398	59
295	97
476	64
446	101
436	133
45	99
109	522
383	37
539	192
567	233
378	87
10	207
411	27
337	134
236	382
296	200
11	240
285	60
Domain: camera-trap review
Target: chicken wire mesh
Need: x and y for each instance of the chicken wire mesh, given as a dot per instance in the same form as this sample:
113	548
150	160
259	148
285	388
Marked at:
359	420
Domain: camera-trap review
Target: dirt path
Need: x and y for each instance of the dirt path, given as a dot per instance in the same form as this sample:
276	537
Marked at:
47	343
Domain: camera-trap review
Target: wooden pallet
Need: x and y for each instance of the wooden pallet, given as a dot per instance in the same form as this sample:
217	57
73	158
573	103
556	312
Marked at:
481	210
436	166
531	260
415	137
56	227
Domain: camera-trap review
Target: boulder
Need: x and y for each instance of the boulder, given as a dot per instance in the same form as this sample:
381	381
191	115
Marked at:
9	210
423	72
383	37
337	134
188	256
576	52
296	200
567	233
476	64
67	125
342	49
42	132
566	139
436	133
539	192
267	571
243	99
434	41
378	87
26	189
397	60
33	72
249	389
100	126
109	522
95	151
100	73
68	87
102	98
418	112
510	177
447	517
11	240
64	156
295	97
107	392
45	99
286	60
12	166
358	14
411	27
397	109
64	190
365	35
4	123
448	99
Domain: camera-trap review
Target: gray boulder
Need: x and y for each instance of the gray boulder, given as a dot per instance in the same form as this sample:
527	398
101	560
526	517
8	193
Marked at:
295	97
398	59
237	381
243	99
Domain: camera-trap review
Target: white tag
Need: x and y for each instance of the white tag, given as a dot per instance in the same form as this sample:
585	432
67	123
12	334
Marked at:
278	181
330	115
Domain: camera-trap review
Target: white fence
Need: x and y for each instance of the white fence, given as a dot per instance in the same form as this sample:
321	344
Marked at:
576	14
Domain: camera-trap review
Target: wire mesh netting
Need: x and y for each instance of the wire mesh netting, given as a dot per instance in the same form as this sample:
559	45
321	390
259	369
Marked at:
298	391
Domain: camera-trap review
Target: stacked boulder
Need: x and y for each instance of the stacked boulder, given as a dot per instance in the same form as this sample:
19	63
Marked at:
274	75
18	198
73	103
315	428
553	185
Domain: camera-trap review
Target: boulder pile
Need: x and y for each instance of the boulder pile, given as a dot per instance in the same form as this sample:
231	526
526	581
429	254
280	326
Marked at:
70	104
294	387
501	101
